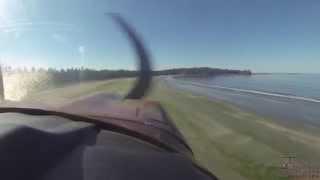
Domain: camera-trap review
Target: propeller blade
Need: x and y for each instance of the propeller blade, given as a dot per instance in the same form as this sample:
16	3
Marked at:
143	83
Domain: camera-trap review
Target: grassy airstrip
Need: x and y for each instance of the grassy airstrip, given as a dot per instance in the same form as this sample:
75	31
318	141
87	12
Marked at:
231	143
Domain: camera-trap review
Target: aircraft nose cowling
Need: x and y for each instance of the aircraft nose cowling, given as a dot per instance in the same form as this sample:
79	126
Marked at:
144	117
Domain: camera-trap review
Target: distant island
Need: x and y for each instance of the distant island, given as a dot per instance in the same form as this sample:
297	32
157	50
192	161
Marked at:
201	72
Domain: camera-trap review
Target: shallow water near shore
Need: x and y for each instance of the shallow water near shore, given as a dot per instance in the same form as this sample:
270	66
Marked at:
291	98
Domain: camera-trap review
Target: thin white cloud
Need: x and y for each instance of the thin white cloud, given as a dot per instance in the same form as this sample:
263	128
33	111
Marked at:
59	38
81	50
29	25
13	34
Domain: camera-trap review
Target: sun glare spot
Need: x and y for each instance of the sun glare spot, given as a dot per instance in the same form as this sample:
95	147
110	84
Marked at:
19	85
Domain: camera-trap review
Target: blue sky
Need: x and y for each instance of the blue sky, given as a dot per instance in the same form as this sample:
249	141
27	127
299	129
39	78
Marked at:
261	35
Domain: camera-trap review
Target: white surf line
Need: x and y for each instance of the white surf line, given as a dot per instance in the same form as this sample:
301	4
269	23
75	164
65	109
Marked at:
253	92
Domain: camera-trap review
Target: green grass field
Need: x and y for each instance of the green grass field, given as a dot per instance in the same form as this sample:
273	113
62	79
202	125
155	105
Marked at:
231	143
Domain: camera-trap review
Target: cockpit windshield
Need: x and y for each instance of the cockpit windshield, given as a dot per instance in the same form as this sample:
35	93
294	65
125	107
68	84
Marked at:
48	45
240	79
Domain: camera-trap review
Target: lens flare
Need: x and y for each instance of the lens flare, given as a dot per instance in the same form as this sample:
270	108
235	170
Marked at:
19	85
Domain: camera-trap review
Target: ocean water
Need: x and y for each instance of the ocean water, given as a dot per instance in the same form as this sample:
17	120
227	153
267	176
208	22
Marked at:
286	97
300	86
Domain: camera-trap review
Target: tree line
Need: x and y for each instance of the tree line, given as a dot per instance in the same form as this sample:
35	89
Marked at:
72	75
